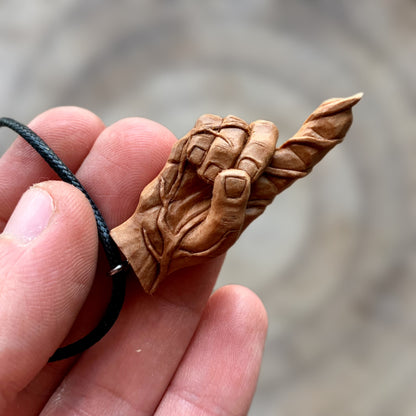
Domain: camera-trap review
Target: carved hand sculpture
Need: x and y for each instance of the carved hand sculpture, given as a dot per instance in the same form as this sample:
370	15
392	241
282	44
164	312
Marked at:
219	178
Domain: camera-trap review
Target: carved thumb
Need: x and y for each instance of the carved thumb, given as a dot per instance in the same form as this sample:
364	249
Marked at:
226	216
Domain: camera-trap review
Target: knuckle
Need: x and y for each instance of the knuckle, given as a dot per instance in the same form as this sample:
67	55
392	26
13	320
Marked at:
236	122
208	121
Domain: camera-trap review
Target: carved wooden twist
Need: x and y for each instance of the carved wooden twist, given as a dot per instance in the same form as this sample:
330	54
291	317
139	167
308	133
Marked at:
219	178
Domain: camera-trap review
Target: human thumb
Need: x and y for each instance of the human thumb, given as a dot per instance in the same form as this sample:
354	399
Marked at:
226	215
48	255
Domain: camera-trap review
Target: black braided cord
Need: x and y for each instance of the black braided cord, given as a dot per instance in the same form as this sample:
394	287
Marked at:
110	248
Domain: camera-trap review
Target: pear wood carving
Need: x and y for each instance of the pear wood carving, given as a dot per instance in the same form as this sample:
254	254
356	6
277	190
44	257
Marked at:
219	178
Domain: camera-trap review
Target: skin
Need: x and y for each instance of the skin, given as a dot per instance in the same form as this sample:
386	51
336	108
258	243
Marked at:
196	208
181	351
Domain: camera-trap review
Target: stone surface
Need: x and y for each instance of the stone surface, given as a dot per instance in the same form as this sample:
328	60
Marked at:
338	277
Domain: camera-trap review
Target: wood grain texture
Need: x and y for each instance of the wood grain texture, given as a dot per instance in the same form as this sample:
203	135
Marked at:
338	279
218	178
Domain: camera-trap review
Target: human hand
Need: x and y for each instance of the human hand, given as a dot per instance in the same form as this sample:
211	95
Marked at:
219	178
181	351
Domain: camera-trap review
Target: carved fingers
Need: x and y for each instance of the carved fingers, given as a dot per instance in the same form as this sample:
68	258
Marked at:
258	151
215	144
202	137
230	155
218	178
218	144
321	131
226	215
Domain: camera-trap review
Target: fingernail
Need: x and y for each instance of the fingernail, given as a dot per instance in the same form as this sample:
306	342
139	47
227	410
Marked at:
196	156
211	172
31	215
234	187
248	166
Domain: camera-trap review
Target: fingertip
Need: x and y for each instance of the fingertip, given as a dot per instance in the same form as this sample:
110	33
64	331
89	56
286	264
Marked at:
45	278
224	357
148	134
137	144
70	122
259	149
265	127
201	138
230	194
71	206
67	114
69	131
30	217
60	225
46	206
234	184
124	159
243	309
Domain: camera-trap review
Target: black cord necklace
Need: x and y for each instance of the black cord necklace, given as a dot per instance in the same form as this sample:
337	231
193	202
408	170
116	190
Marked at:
118	270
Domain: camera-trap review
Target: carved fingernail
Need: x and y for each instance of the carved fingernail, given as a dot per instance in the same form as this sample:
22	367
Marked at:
211	172
196	156
234	187
248	166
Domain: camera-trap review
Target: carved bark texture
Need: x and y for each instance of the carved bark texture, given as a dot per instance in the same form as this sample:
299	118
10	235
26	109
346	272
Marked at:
219	178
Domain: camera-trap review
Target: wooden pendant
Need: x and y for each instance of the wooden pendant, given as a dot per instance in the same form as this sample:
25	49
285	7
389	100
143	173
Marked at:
219	177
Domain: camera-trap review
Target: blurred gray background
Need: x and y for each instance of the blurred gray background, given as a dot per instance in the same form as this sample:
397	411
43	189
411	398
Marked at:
333	258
